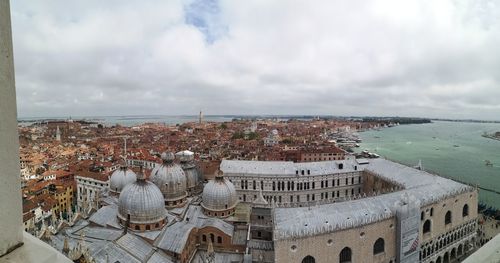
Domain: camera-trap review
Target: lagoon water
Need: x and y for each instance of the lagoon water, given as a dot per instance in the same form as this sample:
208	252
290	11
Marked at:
451	149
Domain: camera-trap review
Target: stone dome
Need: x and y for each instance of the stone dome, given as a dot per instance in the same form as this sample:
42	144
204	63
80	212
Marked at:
120	178
185	156
194	177
142	204
219	197
171	180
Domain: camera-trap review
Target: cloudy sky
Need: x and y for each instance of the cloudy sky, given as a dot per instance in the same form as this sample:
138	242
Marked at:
354	57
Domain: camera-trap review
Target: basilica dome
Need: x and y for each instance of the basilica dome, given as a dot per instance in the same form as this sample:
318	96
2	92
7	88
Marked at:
120	178
219	197
171	180
194	178
141	206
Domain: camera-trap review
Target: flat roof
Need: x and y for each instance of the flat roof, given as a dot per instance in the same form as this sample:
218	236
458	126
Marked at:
285	169
426	188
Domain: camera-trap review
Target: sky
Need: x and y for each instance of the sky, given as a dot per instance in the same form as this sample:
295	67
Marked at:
354	58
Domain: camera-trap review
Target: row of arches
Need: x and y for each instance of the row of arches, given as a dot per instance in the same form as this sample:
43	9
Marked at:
452	255
428	249
212	238
345	254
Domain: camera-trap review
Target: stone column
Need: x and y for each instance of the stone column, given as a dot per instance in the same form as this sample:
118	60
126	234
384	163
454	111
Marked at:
11	230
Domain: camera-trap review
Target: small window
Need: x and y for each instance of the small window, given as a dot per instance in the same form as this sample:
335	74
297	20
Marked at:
309	259
219	240
378	247
447	218
427	226
345	255
465	210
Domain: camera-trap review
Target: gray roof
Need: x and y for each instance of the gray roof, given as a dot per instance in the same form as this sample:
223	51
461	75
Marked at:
407	176
99	233
114	253
105	215
175	237
135	246
159	257
222	225
425	187
278	168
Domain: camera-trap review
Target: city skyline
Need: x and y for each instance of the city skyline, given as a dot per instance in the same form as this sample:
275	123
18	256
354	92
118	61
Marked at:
283	58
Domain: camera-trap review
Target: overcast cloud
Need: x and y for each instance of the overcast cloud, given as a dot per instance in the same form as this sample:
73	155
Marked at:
406	58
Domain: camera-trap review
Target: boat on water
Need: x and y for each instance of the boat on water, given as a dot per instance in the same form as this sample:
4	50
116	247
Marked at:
488	163
456	146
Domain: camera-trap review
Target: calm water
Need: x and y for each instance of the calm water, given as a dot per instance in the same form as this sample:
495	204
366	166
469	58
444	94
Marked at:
452	149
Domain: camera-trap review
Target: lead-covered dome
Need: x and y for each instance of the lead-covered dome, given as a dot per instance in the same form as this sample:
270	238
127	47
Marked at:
194	178
171	180
219	197
120	178
141	206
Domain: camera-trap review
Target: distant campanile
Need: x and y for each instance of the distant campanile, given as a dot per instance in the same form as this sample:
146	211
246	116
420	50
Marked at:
200	118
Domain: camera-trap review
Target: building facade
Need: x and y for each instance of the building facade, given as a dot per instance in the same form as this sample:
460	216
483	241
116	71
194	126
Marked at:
89	187
295	183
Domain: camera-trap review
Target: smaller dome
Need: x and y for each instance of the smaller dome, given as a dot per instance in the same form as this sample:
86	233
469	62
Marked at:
185	156
171	180
167	157
219	194
120	178
142	201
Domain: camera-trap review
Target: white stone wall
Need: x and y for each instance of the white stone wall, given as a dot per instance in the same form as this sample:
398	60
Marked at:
11	225
89	186
320	187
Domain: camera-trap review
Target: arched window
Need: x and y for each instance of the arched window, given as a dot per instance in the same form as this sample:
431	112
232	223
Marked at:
427	226
378	247
204	238
137	227
447	218
212	238
219	240
148	227
465	210
453	254
309	259
345	255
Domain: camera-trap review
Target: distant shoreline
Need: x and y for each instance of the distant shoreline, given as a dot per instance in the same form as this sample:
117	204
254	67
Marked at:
491	136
